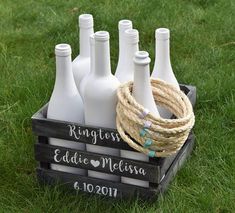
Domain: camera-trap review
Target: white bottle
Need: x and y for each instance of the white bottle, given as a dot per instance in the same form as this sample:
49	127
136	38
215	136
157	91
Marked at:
121	72
162	66
81	64
100	98
65	103
142	92
92	64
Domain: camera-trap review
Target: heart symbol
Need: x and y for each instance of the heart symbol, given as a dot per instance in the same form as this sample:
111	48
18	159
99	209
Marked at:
95	163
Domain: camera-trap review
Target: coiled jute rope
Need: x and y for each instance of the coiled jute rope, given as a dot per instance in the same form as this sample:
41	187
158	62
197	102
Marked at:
146	133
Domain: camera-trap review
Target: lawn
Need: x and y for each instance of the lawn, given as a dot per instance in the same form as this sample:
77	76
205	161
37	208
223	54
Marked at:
202	53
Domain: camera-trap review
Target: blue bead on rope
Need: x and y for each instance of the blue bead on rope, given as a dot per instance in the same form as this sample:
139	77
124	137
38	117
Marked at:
148	143
151	154
143	132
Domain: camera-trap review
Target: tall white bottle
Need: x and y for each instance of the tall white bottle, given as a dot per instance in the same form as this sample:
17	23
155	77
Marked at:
162	66
81	64
65	103
142	92
121	72
92	64
100	98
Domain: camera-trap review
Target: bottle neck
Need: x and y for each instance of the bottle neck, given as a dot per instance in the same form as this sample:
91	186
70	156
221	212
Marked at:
84	42
121	45
102	58
129	53
162	53
64	77
92	55
142	90
141	83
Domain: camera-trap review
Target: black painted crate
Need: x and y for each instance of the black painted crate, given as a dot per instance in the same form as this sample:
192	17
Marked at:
159	171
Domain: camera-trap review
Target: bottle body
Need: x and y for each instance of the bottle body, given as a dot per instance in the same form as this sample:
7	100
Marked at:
142	92
65	103
81	64
100	98
162	66
122	73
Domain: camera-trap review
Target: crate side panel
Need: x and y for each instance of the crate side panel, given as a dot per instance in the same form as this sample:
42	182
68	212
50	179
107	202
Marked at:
176	165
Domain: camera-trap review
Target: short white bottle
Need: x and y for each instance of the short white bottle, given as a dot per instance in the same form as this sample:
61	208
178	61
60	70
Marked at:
100	98
162	66
81	64
142	92
92	64
121	72
65	103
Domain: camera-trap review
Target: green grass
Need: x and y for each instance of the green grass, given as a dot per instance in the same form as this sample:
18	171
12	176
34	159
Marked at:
203	54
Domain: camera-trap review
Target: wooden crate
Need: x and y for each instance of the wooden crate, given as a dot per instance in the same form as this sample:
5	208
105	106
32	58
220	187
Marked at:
158	171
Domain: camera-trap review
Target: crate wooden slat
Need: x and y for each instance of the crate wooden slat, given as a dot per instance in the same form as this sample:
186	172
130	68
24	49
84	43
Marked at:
97	162
71	131
158	171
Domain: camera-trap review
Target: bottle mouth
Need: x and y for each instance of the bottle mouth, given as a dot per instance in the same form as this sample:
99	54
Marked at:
142	57
162	34
124	24
131	35
63	50
85	21
101	36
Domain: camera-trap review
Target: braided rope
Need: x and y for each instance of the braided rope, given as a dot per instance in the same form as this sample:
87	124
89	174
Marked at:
154	136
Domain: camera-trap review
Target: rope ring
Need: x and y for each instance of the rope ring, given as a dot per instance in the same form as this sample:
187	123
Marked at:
154	136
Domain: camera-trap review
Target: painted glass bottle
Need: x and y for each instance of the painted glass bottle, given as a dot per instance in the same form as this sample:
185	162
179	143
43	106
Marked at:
100	98
65	103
